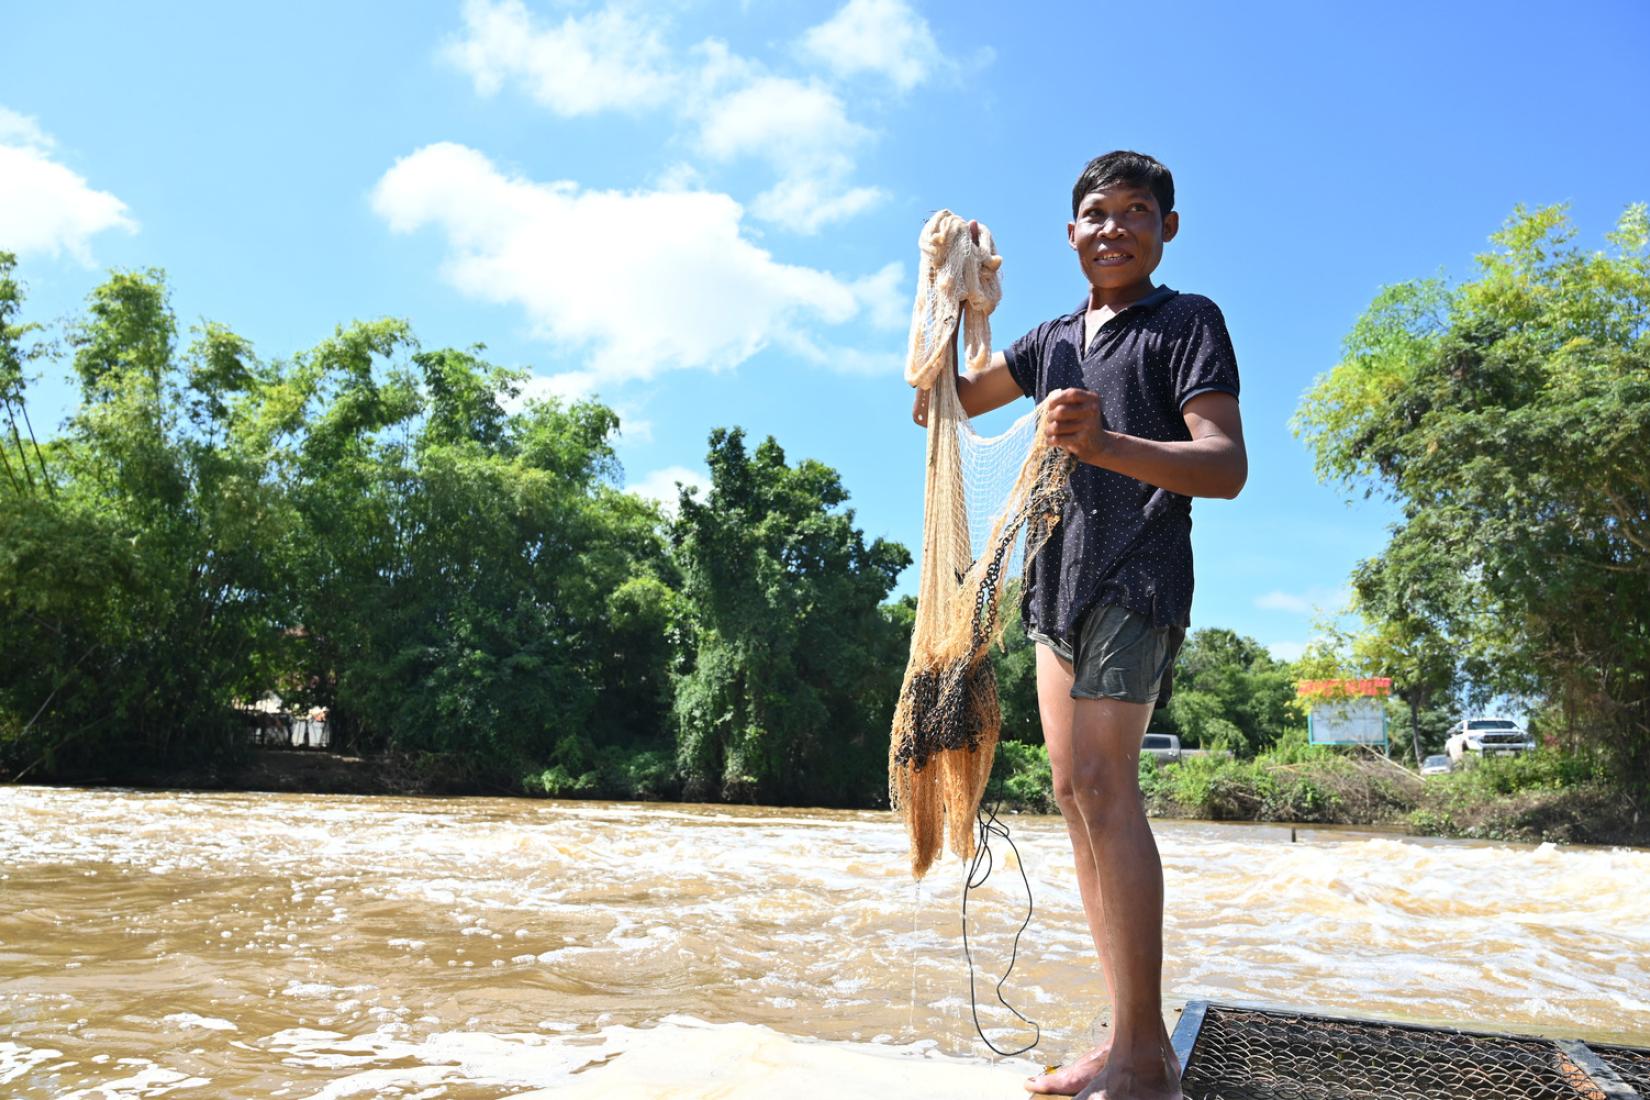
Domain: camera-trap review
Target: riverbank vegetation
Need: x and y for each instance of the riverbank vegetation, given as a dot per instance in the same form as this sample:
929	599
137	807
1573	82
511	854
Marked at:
1546	795
452	569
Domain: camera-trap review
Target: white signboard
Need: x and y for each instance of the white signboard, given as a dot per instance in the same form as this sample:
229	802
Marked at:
1358	720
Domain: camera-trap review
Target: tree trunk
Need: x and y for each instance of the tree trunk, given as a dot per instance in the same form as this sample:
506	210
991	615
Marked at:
1415	725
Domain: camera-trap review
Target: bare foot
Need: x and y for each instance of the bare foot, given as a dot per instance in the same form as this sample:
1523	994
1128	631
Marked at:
1150	1079
1069	1080
1129	1087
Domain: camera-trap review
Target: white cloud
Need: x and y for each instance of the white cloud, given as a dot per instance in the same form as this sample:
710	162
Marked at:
803	131
46	208
1309	602
783	120
1284	601
680	176
604	60
877	36
566	387
846	360
645	280
724	105
806	205
1287	651
21	130
570	386
885	297
661	485
634	429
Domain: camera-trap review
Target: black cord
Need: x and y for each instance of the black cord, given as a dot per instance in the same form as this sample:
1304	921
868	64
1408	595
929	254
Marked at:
990	827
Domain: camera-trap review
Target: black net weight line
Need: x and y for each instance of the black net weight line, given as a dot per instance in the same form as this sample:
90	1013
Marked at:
989	827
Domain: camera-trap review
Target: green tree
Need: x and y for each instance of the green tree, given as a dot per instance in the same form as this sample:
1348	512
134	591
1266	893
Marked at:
20	460
365	526
795	665
1406	636
473	584
136	600
1229	693
1509	418
1015	663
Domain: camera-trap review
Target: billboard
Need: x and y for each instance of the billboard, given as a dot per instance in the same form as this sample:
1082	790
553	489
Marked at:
1357	720
1346	712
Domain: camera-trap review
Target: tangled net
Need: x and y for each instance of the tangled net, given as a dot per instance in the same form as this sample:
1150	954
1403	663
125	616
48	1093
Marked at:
948	719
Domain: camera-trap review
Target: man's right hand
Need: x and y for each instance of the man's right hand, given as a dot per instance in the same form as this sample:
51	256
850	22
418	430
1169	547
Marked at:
992	388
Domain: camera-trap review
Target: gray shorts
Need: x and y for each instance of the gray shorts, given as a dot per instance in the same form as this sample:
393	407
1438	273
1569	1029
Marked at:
1119	655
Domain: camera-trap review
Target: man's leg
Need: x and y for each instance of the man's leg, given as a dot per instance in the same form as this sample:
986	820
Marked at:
1105	795
1058	711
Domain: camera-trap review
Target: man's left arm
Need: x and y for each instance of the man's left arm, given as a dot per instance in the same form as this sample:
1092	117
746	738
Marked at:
1213	463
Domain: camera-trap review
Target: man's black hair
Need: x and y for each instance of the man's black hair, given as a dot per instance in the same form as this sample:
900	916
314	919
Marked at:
1131	169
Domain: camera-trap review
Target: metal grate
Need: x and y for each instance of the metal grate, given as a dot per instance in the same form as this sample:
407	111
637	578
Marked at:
1630	1064
1256	1054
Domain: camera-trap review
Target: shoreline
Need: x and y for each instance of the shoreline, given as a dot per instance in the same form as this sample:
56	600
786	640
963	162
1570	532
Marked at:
1585	815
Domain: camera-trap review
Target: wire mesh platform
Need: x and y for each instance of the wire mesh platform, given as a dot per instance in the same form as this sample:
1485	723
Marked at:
1240	1053
1630	1064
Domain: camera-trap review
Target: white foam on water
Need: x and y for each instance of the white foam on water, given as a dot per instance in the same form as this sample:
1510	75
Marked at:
150	1081
191	1019
17	1059
296	988
302	1035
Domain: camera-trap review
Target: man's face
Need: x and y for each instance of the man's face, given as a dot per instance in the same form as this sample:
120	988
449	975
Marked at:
1119	235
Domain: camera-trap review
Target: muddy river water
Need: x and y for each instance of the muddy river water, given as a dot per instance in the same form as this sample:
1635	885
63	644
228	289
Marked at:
213	944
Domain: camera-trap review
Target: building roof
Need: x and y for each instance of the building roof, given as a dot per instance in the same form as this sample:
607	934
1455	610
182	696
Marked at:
1378	687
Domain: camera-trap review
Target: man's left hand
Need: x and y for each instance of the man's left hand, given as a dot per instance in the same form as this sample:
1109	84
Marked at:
1074	422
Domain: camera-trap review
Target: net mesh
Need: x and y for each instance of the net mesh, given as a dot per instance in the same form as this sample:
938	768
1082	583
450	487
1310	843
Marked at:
989	505
1243	1054
990	467
1631	1064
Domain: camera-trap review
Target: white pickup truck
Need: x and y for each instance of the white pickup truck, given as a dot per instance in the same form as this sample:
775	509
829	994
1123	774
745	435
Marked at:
1487	737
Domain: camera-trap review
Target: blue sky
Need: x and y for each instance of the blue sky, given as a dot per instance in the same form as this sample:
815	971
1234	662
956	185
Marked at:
707	214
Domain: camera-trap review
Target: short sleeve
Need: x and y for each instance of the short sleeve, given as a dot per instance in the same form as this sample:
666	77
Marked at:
1026	357
1201	359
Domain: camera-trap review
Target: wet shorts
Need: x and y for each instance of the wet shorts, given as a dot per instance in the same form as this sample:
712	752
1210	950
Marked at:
1119	655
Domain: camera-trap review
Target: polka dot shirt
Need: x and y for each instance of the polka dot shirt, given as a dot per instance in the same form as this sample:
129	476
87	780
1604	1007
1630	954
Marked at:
1121	541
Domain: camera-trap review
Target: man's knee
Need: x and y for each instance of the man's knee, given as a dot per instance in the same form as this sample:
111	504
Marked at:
1077	786
1065	796
1101	793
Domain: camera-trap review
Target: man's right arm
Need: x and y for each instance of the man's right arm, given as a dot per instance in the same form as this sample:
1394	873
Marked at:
979	392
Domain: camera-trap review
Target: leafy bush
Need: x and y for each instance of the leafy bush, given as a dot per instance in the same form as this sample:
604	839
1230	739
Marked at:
1542	769
1301	796
558	782
1292	747
644	775
579	770
1021	775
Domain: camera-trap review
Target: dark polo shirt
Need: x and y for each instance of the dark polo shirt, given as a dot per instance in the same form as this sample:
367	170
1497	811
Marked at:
1121	541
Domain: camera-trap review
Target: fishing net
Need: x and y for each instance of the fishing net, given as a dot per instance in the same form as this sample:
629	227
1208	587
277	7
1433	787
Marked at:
982	494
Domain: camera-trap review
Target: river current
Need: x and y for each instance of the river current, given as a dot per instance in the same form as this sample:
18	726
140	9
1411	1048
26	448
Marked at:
222	944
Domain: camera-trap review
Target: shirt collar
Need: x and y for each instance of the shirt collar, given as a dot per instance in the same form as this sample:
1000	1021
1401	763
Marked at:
1151	301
